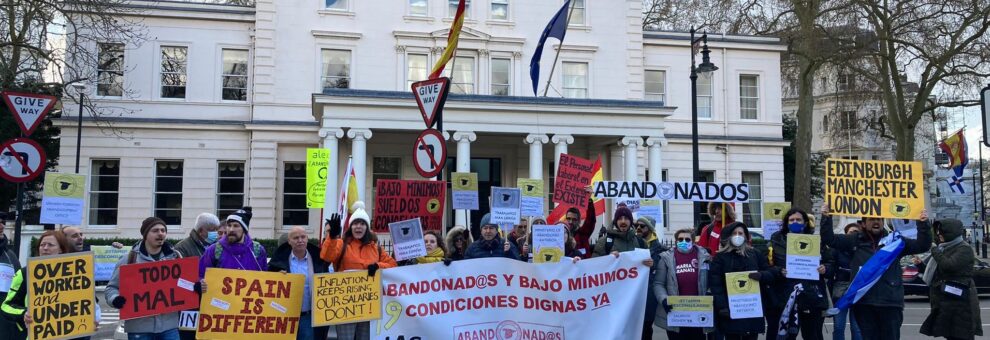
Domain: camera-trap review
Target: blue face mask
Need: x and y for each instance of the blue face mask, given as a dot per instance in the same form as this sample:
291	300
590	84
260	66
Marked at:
796	227
684	246
211	236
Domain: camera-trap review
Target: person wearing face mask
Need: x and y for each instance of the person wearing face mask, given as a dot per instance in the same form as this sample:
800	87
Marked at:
812	301
880	311
203	235
682	271
840	276
955	312
735	254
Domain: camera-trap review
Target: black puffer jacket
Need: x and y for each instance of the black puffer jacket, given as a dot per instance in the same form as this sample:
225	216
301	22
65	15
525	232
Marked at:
729	262
813	297
280	259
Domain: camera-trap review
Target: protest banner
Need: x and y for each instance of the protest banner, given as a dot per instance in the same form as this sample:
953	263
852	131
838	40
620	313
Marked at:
400	200
316	177
531	203
573	176
744	295
803	256
883	189
675	191
548	243
61	296
154	288
908	228
464	187
773	217
505	206
346	297
189	320
105	259
243	304
407	239
690	311
498	298
63	198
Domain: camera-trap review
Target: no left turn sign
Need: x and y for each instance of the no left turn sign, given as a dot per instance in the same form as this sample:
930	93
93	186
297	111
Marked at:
430	153
21	160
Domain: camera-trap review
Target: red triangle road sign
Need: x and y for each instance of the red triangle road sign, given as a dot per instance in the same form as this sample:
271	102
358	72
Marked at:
29	109
430	95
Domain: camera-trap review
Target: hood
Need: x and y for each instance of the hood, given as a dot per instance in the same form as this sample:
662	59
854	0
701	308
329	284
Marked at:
950	228
628	235
453	234
727	232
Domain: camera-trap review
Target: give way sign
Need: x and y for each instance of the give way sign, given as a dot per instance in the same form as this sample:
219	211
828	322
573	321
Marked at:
29	109
21	160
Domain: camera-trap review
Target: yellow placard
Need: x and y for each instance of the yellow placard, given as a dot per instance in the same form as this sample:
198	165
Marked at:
739	283
548	255
316	177
691	303
464	181
530	187
774	211
347	297
64	185
61	296
804	245
884	189
243	304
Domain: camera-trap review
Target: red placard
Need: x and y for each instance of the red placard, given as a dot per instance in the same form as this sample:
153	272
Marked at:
573	176
161	287
400	200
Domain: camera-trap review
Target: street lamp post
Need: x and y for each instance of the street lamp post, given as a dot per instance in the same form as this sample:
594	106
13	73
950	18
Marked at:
705	67
81	88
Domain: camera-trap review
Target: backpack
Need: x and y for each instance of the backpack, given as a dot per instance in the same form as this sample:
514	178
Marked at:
255	249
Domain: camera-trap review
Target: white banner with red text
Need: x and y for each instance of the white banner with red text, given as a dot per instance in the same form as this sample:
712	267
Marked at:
496	298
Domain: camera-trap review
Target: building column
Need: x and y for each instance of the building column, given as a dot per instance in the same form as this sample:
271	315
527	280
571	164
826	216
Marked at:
656	162
536	154
359	157
330	142
560	143
463	139
630	145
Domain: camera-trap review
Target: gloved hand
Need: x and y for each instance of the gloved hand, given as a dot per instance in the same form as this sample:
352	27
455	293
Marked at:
335	228
724	312
666	306
755	276
118	302
372	268
447	261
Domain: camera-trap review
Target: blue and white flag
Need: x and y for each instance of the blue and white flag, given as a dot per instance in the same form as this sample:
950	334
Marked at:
557	28
871	272
955	183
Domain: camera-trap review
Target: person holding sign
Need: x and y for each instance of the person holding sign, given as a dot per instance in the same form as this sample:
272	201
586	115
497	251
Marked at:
722	214
879	311
955	304
152	248
735	254
491	245
812	300
298	256
15	305
359	250
681	272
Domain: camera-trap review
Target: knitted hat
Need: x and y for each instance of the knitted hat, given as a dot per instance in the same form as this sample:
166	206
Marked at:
727	232
359	214
622	211
151	222
648	221
242	216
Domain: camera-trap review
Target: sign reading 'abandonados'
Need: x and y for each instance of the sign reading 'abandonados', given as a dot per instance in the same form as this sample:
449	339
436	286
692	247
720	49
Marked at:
675	191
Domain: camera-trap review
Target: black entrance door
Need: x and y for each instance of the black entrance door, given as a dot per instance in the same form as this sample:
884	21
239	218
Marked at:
489	172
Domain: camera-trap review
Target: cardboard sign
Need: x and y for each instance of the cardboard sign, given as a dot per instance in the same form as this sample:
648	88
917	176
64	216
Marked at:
548	243
505	206
400	200
803	256
407	239
573	176
246	304
189	320
63	201
691	311
465	190
531	203
316	177
160	287
105	259
61	296
884	189
773	217
675	191
347	297
744	296
654	209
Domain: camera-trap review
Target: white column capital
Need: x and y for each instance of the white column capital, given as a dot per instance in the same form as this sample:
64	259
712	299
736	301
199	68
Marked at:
631	140
328	132
565	139
535	138
465	136
359	134
659	141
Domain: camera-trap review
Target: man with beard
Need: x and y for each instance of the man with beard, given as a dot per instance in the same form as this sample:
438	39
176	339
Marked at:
236	250
78	241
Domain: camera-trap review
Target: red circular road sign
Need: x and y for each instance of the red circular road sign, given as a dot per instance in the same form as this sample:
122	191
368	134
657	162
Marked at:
430	153
21	160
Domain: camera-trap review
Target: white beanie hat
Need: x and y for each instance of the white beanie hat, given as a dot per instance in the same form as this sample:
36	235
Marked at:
359	214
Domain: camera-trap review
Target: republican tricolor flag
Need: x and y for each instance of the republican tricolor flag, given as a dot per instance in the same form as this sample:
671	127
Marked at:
348	194
955	146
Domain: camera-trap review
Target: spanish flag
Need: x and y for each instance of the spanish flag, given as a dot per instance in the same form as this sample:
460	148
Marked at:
448	53
955	146
559	212
348	194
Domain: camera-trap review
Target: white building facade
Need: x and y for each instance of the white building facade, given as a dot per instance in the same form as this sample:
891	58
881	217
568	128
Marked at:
223	101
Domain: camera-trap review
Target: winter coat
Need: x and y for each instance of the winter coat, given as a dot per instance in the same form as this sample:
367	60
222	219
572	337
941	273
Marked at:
246	255
709	237
280	259
192	245
149	324
452	235
621	242
665	282
432	257
7	257
582	236
491	248
814	296
356	255
730	262
889	290
952	317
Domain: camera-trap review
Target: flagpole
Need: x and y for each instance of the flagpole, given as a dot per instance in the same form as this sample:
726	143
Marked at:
559	47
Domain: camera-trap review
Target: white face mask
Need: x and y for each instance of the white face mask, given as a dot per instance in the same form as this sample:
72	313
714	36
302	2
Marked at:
737	240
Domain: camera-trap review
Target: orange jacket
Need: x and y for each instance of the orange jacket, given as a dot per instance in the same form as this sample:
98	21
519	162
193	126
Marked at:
357	256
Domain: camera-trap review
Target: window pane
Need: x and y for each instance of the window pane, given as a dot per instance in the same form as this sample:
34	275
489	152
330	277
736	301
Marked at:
452	8
752	210
418	7
501	73
575	79
168	191
337	4
655	85
336	69
577	14
294	211
110	70
463	75
500	11
173	72
103	195
417	68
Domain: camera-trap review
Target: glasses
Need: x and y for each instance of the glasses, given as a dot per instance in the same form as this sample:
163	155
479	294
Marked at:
640	226
684	239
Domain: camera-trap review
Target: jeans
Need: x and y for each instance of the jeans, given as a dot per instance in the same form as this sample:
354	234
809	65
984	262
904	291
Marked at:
172	334
879	323
840	326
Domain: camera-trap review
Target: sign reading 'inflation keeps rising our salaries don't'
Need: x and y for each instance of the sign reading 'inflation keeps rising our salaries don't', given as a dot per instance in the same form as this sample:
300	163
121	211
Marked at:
884	189
316	177
346	297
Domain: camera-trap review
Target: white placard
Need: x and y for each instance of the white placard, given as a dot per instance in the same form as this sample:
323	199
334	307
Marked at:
505	206
407	239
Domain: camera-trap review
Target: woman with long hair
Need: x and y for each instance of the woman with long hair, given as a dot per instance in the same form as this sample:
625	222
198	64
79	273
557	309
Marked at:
735	254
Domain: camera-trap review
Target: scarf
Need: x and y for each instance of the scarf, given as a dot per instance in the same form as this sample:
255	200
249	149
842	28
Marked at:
789	319
932	265
434	256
